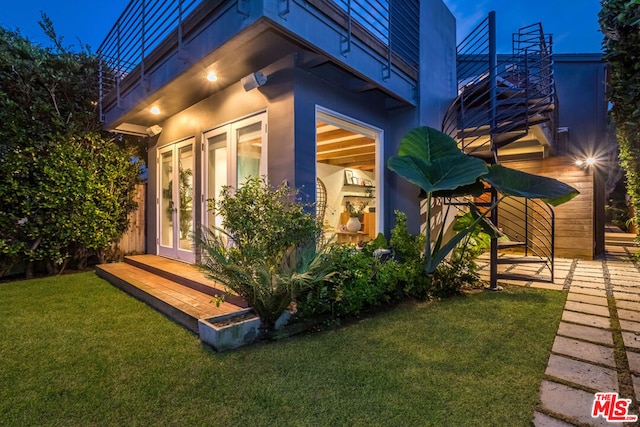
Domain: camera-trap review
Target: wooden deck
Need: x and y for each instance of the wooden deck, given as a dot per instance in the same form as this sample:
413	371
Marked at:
178	290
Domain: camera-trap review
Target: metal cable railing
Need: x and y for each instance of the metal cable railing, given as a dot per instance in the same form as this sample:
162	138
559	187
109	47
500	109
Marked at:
530	224
146	24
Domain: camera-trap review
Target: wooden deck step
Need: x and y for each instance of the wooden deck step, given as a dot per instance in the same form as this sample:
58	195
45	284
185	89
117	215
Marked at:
184	274
180	303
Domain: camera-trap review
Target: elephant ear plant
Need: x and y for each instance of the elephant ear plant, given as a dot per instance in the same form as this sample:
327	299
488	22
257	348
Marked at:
432	160
265	250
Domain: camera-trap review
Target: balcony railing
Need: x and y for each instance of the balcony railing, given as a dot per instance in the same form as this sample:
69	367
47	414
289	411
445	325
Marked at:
145	24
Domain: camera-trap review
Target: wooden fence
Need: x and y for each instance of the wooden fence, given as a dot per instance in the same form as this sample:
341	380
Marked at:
133	241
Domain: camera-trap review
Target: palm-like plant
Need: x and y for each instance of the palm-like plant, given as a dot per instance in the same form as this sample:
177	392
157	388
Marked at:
268	288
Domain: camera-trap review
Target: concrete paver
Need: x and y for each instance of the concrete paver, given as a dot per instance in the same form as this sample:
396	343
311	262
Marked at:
587	308
584	350
629	315
627	325
586	333
631	339
634	362
544	420
569	401
588	291
628	305
588	299
582	373
586	319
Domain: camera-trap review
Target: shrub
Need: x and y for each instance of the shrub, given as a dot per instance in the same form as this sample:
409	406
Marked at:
266	252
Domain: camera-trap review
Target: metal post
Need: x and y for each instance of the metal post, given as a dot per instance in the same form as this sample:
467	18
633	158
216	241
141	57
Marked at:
118	68
346	41
493	68
526	227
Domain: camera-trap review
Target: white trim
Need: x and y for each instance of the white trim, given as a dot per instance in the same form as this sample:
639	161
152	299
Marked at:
353	125
174	252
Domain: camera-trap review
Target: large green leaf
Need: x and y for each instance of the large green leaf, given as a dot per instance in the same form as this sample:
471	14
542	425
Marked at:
512	182
447	173
476	190
427	144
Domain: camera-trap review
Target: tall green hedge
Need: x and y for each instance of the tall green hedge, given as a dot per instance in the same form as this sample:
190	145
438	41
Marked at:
66	186
620	23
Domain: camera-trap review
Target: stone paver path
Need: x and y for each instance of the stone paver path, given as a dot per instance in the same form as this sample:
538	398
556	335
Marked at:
597	346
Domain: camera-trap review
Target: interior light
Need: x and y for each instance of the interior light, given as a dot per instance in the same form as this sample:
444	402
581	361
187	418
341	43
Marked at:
212	76
590	160
154	110
579	162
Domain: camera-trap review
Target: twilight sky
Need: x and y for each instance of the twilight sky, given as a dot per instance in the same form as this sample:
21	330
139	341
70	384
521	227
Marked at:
573	23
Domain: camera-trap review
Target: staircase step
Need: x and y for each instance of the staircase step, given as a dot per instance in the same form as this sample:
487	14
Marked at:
184	274
180	303
511	244
521	260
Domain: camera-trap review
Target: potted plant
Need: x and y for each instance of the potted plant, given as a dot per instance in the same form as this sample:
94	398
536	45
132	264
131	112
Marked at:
356	213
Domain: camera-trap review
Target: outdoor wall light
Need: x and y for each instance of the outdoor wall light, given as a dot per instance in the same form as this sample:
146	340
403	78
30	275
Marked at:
212	76
153	130
589	161
154	110
253	81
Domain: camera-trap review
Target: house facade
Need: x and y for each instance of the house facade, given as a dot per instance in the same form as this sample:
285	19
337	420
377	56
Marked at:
314	92
311	92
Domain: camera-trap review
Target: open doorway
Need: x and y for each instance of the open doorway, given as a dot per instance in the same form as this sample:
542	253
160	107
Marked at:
348	165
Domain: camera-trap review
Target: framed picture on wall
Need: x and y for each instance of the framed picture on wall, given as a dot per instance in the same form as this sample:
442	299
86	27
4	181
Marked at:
355	180
348	176
368	183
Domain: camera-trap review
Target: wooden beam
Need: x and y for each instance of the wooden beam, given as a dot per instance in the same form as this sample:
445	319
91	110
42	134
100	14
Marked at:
358	151
345	145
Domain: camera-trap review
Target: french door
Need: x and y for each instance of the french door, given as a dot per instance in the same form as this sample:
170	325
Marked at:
176	163
232	153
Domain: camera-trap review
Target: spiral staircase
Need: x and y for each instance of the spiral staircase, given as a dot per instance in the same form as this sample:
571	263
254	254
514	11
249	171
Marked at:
506	110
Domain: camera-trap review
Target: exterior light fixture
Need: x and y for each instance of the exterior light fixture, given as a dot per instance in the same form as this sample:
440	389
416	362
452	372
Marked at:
212	76
253	81
586	162
153	130
154	110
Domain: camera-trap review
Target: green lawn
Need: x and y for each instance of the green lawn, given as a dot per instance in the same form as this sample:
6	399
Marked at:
76	351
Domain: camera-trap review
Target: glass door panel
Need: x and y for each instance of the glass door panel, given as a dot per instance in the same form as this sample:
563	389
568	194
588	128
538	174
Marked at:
249	143
185	197
166	204
217	171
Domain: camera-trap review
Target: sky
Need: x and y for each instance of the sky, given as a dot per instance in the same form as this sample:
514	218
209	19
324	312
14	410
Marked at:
573	23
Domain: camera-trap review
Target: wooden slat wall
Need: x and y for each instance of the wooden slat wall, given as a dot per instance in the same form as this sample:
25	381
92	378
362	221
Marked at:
575	219
133	241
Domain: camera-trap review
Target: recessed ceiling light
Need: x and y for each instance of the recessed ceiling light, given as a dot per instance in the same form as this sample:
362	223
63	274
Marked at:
212	76
154	110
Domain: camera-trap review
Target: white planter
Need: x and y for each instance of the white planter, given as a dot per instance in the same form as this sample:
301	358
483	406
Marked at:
353	224
229	336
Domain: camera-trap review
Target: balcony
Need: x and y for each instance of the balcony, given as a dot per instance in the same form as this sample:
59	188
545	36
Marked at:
158	49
